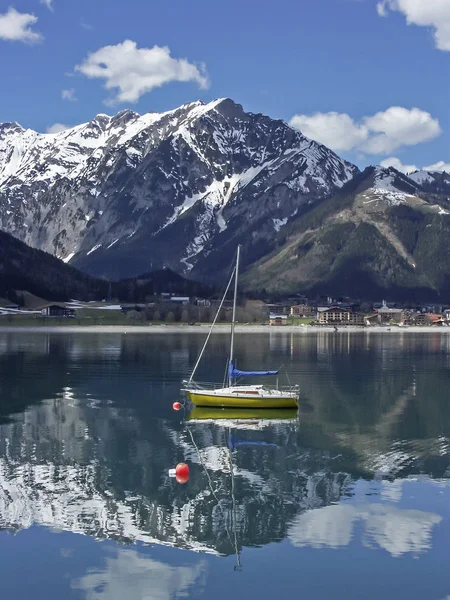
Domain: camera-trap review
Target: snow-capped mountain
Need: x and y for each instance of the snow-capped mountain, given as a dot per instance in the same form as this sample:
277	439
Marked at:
437	182
122	195
388	187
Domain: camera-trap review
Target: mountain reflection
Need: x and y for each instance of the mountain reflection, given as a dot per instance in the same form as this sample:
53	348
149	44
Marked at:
90	437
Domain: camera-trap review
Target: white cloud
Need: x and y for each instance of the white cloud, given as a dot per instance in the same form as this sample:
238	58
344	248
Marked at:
377	134
439	166
399	126
425	13
335	130
57	128
69	95
128	574
398	531
381	9
48	4
397	164
135	71
16	27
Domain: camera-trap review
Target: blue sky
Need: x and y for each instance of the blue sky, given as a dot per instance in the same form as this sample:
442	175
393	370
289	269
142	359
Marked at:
367	77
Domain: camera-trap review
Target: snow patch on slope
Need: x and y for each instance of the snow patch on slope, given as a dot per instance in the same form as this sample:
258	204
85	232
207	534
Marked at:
96	247
385	189
421	177
69	257
279	223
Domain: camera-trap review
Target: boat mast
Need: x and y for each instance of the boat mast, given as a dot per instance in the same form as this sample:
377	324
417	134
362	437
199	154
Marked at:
233	322
238	566
211	328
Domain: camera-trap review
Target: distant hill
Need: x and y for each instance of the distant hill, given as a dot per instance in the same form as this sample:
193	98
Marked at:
25	271
381	236
43	275
157	282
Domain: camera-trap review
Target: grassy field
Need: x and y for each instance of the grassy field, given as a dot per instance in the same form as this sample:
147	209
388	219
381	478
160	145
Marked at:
97	316
305	321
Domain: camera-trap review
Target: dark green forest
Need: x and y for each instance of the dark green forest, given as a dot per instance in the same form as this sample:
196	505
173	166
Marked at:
25	269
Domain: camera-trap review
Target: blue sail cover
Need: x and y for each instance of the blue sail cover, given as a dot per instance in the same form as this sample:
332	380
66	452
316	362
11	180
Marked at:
235	373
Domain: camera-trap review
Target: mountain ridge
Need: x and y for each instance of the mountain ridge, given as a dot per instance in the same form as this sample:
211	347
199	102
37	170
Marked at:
114	196
379	236
127	194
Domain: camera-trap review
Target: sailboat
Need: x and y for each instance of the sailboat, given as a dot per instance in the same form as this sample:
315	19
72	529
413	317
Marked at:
233	394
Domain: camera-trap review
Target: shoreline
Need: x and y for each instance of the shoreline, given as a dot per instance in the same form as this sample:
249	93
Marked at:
221	329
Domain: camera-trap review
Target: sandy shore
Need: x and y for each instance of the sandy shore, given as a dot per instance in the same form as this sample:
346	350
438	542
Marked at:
220	329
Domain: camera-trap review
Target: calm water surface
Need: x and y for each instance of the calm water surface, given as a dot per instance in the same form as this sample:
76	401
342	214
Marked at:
348	499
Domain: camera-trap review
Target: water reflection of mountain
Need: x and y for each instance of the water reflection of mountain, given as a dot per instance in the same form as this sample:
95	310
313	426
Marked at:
91	468
92	451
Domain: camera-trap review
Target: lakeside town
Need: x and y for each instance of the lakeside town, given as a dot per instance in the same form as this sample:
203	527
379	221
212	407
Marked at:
167	308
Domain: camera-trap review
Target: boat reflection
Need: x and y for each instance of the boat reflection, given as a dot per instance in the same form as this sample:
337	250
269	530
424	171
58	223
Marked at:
226	452
257	417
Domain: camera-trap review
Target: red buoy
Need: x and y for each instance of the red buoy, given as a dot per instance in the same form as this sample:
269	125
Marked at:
176	406
180	479
182	471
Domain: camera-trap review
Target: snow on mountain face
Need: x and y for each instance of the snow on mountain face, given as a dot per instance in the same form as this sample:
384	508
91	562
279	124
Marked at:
421	177
391	188
435	182
126	194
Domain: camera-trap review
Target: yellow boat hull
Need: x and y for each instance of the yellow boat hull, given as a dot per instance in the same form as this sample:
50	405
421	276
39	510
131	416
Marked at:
216	401
257	414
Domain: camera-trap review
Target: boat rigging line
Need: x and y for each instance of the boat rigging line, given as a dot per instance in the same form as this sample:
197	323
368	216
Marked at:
233	542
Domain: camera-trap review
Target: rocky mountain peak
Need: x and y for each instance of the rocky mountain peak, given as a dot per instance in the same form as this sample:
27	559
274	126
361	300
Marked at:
101	120
8	127
128	194
123	117
391	180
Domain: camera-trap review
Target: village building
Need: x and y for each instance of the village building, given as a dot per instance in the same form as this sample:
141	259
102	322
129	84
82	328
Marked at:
180	299
409	317
278	309
301	310
339	316
426	319
202	302
57	310
435	319
278	320
420	319
389	316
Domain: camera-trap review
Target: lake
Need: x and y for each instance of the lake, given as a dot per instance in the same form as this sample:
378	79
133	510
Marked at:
349	498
